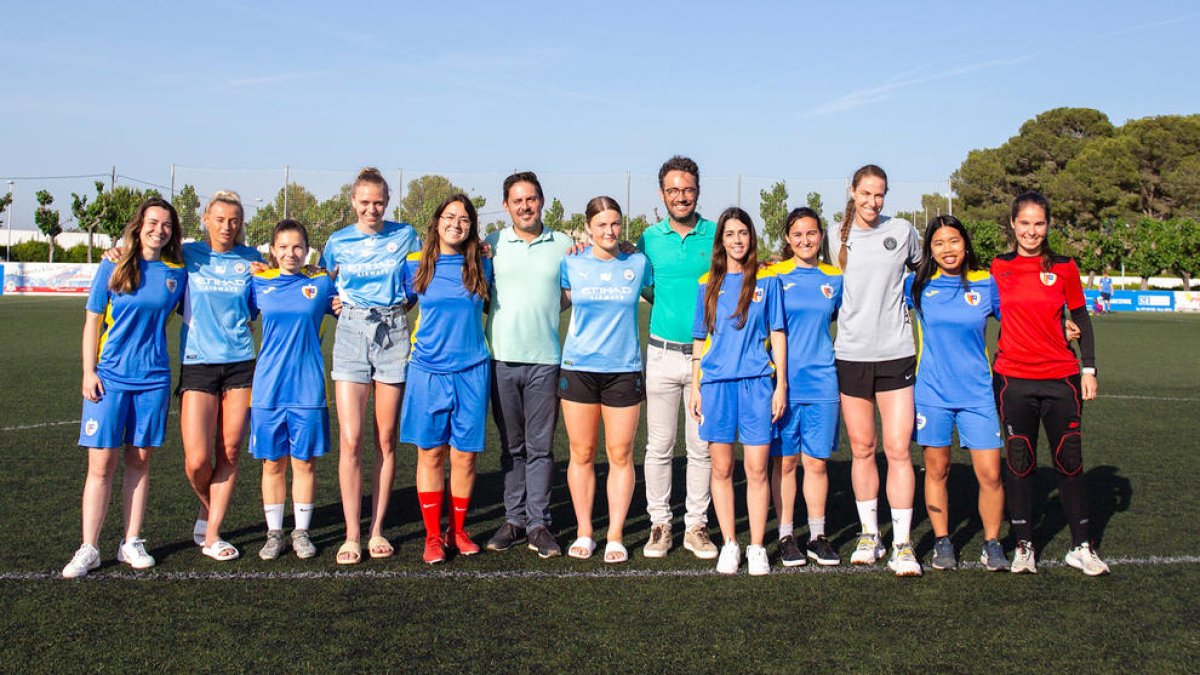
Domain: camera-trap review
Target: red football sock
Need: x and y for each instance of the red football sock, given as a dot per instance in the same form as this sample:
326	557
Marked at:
460	511
431	512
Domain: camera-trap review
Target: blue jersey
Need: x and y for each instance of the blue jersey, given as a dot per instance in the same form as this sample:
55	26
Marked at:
133	343
368	266
216	308
730	353
603	335
448	335
290	372
1106	285
811	298
952	359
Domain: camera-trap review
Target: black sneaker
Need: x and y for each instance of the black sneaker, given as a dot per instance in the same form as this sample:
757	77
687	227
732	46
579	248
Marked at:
542	541
822	552
789	552
506	537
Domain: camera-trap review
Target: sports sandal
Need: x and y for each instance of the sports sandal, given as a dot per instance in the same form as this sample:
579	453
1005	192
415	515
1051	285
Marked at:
199	531
615	552
582	548
380	547
222	551
349	553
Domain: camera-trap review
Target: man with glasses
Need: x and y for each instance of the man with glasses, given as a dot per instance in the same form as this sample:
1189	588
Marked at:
679	248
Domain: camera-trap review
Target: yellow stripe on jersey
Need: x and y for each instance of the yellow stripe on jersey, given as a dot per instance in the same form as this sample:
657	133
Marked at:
108	324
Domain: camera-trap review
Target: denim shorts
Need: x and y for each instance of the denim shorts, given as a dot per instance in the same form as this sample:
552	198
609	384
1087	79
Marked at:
371	344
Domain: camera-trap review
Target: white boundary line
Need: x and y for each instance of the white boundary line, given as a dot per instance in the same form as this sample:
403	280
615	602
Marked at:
44	425
536	574
1149	398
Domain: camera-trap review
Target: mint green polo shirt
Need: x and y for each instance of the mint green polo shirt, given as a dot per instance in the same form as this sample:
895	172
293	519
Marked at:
678	262
522	326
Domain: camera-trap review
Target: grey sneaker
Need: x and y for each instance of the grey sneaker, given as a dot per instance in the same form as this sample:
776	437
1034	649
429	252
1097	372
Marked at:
992	556
660	541
904	561
868	549
275	545
506	537
943	555
543	542
1024	561
302	544
696	540
1083	557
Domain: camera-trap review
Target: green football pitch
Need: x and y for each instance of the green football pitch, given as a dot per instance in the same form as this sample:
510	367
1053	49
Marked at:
513	612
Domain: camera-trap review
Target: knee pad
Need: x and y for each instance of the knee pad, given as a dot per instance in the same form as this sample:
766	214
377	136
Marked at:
1068	456
1021	460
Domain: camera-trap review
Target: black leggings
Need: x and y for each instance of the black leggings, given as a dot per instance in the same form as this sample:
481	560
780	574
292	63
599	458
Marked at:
1058	406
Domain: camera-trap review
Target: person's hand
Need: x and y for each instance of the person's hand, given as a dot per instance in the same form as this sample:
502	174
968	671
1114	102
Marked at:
779	402
258	266
310	270
486	248
113	255
694	404
1089	385
1073	331
579	247
336	305
93	388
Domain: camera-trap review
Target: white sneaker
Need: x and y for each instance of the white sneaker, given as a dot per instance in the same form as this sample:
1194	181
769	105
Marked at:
731	558
1024	561
904	561
1083	557
756	561
86	559
133	553
869	549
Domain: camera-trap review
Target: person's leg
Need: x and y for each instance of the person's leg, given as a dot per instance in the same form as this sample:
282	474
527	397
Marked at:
541	416
582	421
274	485
758	489
1019	410
198	411
508	411
135	489
991	490
859	415
620	427
304	487
231	429
816	489
722	489
1062	413
462	485
937	500
664	390
783	491
97	491
896	415
383	474
431	485
351	398
699	463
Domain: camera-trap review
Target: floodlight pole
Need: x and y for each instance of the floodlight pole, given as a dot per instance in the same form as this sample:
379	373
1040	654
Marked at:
11	204
286	171
949	198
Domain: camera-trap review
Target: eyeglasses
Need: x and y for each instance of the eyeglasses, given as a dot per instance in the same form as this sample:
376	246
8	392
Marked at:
674	192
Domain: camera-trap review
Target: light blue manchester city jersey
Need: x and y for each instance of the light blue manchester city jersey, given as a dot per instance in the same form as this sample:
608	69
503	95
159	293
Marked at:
133	342
290	372
368	266
603	335
216	308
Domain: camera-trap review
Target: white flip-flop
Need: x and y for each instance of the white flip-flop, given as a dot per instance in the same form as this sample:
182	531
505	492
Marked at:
615	547
221	551
582	543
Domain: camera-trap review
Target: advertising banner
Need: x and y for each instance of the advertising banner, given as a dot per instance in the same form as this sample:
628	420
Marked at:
1136	301
48	278
1187	301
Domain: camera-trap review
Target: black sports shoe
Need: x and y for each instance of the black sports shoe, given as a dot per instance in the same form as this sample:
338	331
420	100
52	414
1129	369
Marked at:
542	541
789	552
822	552
506	537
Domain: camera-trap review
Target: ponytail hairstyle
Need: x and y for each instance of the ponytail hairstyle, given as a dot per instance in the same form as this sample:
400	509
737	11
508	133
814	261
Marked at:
927	268
796	214
1037	199
371	176
720	265
128	276
233	199
285	225
872	171
472	269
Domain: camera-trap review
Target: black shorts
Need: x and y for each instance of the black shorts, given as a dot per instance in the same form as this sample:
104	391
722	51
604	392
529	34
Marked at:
863	379
215	378
615	390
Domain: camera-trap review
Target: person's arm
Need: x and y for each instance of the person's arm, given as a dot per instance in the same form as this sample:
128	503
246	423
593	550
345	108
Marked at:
779	355
1087	352
564	300
694	401
93	388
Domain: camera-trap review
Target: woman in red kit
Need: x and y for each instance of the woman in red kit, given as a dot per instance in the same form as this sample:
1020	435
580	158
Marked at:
1038	379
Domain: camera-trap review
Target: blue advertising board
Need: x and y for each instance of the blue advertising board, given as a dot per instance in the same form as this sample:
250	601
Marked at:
1135	301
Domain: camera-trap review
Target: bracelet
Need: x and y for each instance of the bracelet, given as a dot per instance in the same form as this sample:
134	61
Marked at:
1088	371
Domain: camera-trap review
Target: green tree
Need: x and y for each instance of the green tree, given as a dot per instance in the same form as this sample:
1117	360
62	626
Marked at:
576	225
423	196
89	214
321	218
1150	256
773	209
637	225
4	202
813	201
187	204
552	217
47	219
988	238
1180	242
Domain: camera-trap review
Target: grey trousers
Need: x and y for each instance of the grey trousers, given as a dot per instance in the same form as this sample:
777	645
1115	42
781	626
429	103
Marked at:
525	407
668	385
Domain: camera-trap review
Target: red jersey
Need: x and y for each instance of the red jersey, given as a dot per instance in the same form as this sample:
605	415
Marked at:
1032	343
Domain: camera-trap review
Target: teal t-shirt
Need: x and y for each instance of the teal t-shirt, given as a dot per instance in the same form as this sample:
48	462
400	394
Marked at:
678	263
522	325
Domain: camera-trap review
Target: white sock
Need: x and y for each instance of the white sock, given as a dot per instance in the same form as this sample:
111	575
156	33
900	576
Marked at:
868	516
303	513
274	513
901	524
785	530
816	528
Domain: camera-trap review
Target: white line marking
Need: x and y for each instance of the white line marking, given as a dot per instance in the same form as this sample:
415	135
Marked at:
536	574
43	425
1149	398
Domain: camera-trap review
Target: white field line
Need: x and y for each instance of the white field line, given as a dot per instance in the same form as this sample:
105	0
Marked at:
43	425
537	574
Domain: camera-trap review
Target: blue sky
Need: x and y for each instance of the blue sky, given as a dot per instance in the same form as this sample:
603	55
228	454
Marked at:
582	93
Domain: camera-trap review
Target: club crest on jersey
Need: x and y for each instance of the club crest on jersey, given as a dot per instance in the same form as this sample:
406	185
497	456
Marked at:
91	427
921	421
758	294
1048	278
628	274
309	291
890	243
392	247
827	291
172	285
972	297
240	268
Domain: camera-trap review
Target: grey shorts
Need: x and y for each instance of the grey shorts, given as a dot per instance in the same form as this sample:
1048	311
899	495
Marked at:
371	344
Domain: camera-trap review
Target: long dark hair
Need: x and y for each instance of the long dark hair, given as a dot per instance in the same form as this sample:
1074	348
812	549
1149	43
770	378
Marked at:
928	267
871	171
720	265
785	250
1037	199
472	269
127	276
